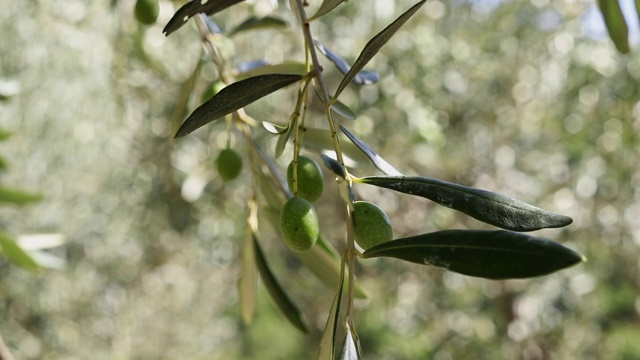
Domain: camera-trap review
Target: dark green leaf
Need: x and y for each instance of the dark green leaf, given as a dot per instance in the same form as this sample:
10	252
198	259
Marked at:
334	166
376	159
491	208
616	24
325	7
288	308
195	7
15	254
18	197
494	254
234	97
253	23
363	77
375	44
328	341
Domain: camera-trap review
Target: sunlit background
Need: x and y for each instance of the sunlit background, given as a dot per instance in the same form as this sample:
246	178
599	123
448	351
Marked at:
526	98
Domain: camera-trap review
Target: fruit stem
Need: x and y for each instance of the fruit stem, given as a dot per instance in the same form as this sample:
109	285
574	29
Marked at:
317	74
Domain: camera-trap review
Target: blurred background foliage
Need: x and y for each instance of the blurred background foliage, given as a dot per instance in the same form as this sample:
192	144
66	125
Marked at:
527	98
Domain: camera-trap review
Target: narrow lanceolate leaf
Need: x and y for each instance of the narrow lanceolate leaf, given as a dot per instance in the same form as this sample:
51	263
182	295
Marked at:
494	254
248	284
15	254
18	197
376	159
616	24
334	166
351	347
234	97
364	77
253	23
375	44
325	7
489	207
285	304
195	7
328	341
323	264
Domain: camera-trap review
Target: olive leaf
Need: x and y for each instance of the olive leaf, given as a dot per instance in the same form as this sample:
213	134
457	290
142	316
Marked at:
334	166
320	140
325	7
328	340
489	207
325	266
363	77
496	254
252	23
616	24
18	197
375	44
15	254
248	283
194	7
275	129
343	110
376	159
288	308
234	97
351	347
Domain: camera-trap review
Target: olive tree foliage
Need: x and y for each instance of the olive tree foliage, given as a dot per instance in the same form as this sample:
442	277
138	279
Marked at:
280	199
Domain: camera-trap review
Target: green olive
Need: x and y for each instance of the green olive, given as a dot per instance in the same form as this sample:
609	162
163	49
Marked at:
229	164
299	224
310	181
372	225
211	90
146	11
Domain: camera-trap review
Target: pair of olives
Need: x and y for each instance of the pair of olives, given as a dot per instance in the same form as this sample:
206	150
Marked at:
298	218
299	221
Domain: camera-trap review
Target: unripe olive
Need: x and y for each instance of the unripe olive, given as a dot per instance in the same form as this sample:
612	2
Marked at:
299	224
229	164
372	225
146	11
310	181
211	90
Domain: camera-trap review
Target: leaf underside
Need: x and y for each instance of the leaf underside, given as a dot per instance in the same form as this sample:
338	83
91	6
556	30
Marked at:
192	8
325	7
234	97
376	159
496	254
363	77
489	207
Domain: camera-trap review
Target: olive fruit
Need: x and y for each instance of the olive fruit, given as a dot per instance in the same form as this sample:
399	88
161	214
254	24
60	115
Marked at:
310	181
229	164
211	90
299	224
372	225
146	11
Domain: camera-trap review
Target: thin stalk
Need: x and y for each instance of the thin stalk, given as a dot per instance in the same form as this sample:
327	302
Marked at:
316	72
